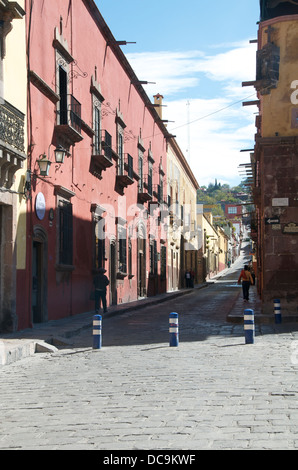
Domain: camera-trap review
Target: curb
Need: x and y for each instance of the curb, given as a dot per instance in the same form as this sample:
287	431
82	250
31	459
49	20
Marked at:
262	318
48	337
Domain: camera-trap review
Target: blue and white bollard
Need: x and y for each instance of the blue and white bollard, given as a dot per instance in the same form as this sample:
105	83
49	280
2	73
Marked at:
97	331
277	311
249	326
174	329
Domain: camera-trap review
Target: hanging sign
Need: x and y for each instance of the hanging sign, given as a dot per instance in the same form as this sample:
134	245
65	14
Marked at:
40	206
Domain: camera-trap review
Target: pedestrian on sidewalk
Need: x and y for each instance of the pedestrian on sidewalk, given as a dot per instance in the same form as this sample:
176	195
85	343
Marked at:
187	278
101	282
247	281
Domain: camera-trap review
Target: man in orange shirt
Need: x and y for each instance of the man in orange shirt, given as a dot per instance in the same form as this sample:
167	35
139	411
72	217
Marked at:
247	281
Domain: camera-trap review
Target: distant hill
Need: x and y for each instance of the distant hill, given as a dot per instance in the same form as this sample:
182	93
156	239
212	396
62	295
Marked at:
216	195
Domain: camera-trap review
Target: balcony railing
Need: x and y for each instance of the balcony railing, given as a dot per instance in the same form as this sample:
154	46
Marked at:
149	183
70	112
12	126
12	152
145	189
102	153
125	171
69	122
129	164
158	193
106	144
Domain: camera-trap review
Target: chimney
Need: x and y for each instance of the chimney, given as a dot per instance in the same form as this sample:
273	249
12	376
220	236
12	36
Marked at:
158	101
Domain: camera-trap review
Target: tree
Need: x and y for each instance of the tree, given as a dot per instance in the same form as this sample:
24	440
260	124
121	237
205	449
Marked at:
216	195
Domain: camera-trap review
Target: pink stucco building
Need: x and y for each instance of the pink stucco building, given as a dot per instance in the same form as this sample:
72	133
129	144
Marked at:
101	206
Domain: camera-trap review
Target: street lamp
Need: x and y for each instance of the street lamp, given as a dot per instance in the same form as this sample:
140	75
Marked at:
44	165
60	153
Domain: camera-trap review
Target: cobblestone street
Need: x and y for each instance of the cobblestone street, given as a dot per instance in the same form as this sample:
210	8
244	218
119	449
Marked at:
213	391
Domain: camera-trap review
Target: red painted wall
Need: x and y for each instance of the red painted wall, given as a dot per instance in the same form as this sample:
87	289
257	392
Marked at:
67	292
237	211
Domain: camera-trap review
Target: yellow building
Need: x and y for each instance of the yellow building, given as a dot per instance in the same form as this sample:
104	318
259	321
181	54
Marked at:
13	86
213	252
208	262
223	249
182	234
279	99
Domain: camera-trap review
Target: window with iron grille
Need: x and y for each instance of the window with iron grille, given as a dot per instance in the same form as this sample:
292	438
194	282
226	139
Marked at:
153	257
96	128
107	144
160	196
150	177
99	243
141	176
122	258
129	257
163	262
120	152
65	233
130	166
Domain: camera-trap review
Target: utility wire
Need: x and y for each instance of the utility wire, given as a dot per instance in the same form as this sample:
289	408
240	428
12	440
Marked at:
214	112
205	116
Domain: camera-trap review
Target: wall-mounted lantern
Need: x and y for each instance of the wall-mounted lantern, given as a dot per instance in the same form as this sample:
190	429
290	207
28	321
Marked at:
60	153
44	165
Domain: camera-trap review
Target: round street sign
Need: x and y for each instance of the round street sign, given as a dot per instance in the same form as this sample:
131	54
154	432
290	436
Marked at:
40	206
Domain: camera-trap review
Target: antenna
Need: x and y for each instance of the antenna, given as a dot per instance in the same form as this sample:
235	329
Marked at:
188	130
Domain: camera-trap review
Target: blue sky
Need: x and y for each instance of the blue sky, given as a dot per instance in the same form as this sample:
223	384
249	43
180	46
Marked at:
197	53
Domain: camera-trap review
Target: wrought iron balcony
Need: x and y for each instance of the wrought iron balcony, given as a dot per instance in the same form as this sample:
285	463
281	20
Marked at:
12	151
12	126
145	189
69	122
125	171
102	152
158	193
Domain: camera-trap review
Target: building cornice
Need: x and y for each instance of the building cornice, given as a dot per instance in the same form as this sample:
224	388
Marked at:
113	45
277	140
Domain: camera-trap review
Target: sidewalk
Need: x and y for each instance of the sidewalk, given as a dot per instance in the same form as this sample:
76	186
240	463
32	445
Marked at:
47	337
254	303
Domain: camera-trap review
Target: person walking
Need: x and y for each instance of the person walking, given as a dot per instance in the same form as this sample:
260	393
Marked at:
187	278
247	281
101	282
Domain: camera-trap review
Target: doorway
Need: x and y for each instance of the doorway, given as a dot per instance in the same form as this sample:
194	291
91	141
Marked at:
39	309
142	291
37	283
113	281
63	96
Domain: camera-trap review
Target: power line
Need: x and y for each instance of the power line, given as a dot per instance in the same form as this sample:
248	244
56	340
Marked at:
206	115
214	112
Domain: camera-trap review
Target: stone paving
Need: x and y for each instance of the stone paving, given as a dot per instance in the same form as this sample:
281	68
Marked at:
213	391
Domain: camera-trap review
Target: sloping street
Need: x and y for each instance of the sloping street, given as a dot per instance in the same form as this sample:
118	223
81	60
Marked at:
213	391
